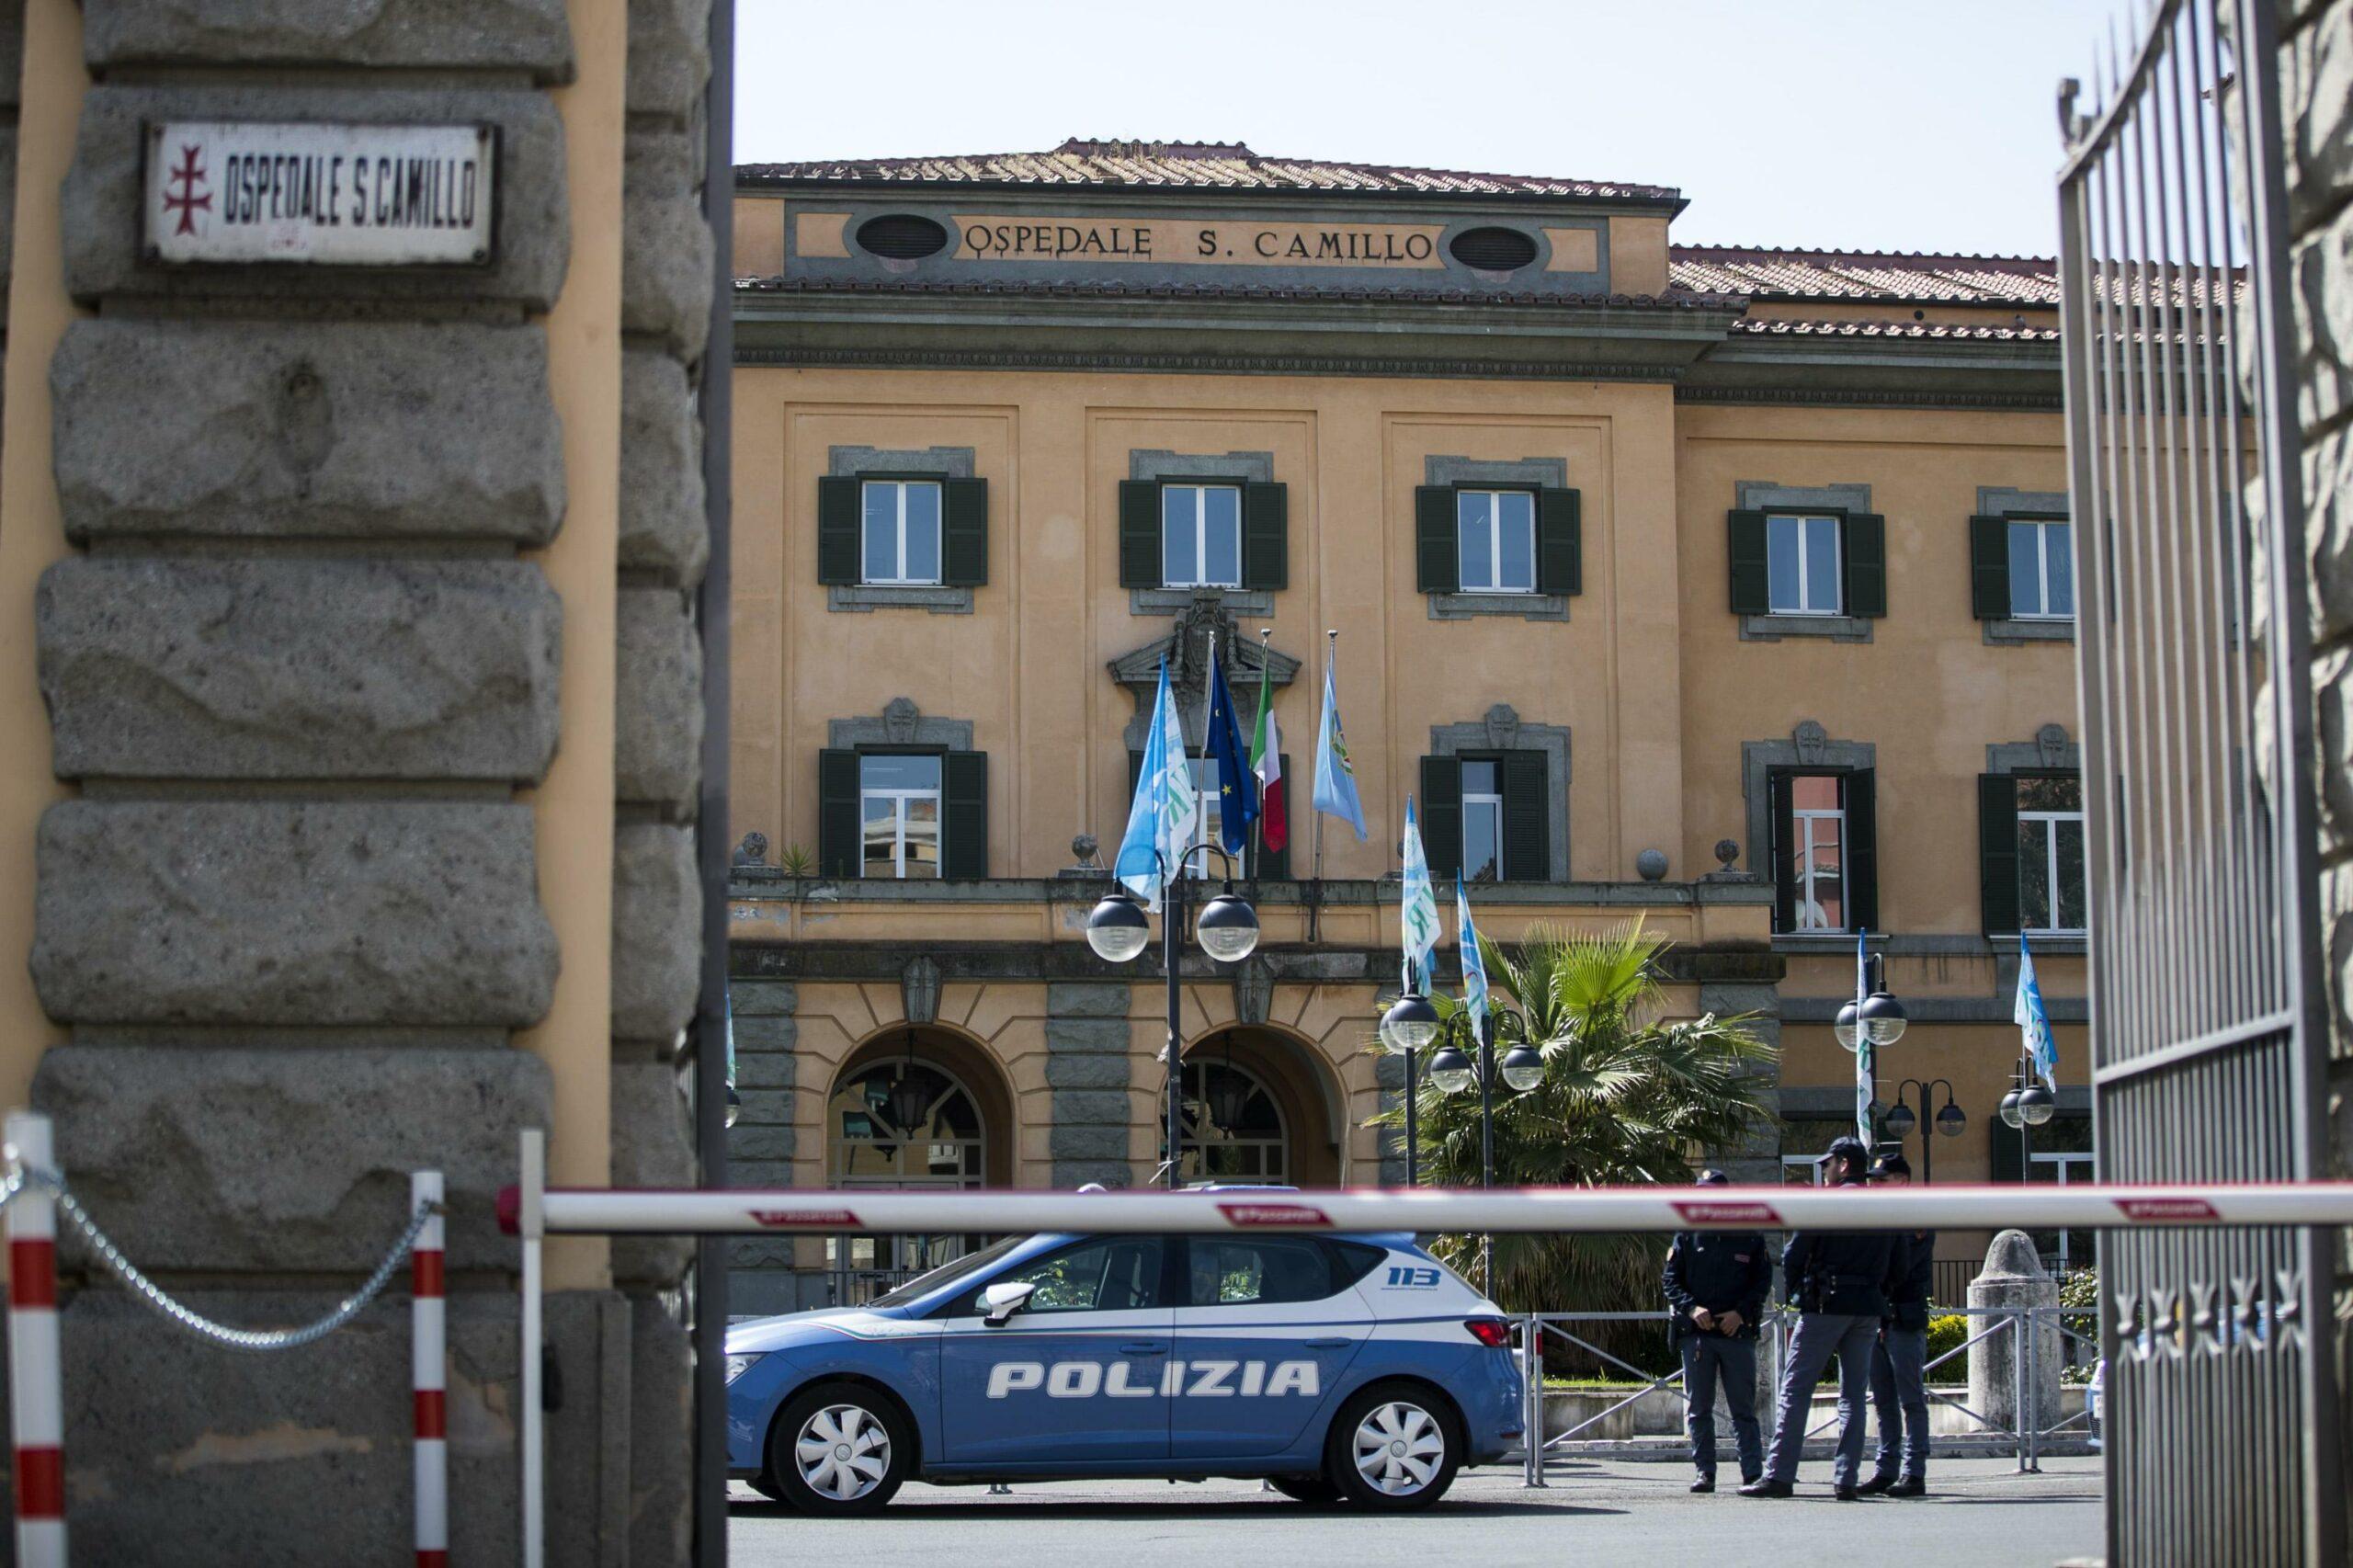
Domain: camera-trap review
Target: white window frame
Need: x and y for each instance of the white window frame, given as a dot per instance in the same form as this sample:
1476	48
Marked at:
1801	820
1804	520
2042	526
1495	521
938	531
900	800
1494	801
1205	779
2072	1166
2050	821
1200	494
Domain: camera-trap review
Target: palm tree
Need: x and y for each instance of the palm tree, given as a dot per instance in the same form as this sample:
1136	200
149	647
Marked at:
1626	1099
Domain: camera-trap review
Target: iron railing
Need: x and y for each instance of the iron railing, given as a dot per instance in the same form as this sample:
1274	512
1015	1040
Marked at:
2206	1038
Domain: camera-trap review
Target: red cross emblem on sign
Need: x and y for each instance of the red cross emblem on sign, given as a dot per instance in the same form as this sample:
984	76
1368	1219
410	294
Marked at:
189	177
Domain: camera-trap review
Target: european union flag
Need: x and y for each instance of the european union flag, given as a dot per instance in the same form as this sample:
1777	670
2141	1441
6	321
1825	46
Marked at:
1237	786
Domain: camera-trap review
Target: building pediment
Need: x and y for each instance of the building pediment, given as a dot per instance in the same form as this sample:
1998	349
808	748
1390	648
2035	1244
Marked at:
1185	648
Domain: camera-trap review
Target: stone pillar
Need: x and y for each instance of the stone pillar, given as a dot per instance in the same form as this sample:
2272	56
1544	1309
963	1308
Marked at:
1758	1158
1088	1067
765	1139
2317	114
2013	1277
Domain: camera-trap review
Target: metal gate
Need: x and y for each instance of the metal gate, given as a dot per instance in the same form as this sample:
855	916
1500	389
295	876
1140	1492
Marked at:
2208	1042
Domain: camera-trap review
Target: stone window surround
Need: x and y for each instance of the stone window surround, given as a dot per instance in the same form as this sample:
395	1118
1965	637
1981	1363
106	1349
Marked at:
1807	749
1237	468
1538	474
900	723
1999	501
859	598
2049	750
1765	496
1502	730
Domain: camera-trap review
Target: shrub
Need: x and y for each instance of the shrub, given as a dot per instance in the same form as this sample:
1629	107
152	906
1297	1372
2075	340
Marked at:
1949	1331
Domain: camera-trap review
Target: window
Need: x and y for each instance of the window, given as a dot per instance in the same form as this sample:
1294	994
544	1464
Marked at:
1112	1274
1801	558
1265	1272
1820	821
1489	815
1496	537
1483	822
1232	1129
1803	1138
1200	543
1205	781
901	531
899	806
2051	853
2042	583
1825	841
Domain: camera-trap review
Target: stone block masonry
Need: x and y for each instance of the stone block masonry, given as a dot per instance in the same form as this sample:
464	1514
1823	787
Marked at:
300	658
1088	1064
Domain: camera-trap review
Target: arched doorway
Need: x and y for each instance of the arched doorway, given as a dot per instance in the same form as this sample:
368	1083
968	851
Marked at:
913	1109
1258	1109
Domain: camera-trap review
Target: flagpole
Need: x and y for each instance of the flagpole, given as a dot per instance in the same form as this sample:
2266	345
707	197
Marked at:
1315	908
1259	822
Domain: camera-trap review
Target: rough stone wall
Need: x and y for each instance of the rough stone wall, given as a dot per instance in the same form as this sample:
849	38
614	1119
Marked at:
298	669
2317	114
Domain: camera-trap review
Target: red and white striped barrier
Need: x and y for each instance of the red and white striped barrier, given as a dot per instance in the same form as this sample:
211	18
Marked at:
36	1390
428	1360
2086	1206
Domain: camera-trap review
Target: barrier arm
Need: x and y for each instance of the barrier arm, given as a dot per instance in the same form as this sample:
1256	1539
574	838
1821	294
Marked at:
2087	1206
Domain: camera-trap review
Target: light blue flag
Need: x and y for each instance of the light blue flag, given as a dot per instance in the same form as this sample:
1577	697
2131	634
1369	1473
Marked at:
2031	1016
1474	964
1863	1068
1166	810
1419	918
1336	780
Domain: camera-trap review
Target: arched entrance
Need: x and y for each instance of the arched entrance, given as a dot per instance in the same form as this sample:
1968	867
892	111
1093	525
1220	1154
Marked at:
912	1108
1257	1108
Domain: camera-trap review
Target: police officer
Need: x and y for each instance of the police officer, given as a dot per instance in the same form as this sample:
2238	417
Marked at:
1840	1282
1899	1389
1716	1283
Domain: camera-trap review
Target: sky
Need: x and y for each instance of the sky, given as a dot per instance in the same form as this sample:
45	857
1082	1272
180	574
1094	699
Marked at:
1857	124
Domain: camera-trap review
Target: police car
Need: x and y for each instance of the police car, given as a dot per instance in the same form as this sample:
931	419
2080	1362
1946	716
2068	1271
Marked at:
1352	1367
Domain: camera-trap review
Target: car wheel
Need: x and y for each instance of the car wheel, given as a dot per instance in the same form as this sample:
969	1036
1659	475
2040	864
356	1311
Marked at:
1392	1445
1315	1489
765	1487
839	1448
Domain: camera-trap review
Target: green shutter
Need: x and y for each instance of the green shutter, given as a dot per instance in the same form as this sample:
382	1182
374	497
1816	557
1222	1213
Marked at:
1989	568
1266	536
1528	818
840	505
1751	578
1135	777
1438	564
964	532
1863	850
839	833
1275	864
1559	544
1139	533
1997	852
1866	564
2008	1163
964	815
1442	815
1782	851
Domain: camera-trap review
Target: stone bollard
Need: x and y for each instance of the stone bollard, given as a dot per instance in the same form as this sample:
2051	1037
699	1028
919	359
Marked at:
2013	1276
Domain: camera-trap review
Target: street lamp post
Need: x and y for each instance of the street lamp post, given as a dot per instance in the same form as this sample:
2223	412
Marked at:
1408	1028
1947	1122
1228	930
2026	1108
1873	1018
1522	1069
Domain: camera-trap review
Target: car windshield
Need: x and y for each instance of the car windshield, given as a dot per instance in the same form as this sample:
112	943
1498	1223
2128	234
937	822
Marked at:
948	1273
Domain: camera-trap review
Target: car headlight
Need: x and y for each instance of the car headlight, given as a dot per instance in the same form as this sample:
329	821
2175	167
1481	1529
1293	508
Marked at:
739	1365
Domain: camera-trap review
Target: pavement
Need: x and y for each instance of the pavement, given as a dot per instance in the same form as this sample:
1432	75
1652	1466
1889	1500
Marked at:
1594	1512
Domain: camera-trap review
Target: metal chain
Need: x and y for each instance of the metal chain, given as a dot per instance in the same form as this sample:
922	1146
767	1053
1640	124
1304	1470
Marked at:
153	1295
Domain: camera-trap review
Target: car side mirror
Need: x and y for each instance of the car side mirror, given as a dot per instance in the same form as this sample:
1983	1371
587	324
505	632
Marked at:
999	1303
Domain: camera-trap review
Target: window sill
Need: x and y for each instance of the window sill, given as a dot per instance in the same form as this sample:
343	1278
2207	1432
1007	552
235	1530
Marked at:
2018	633
860	599
1527	606
1175	601
1837	628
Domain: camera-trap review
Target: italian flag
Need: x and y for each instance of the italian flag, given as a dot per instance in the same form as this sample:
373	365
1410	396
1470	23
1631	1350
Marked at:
1267	762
